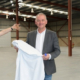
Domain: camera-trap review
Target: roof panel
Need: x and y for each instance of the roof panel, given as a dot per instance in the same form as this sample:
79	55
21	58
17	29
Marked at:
61	5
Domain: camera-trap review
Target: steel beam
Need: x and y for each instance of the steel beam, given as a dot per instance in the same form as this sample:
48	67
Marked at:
58	32
59	5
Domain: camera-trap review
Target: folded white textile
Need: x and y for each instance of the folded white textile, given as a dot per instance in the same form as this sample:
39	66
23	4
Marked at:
29	63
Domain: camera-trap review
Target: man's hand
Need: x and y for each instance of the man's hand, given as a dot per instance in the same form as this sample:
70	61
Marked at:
45	57
16	26
16	48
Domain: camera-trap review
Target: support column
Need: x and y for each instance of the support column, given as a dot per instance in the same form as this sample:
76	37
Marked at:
17	20
69	28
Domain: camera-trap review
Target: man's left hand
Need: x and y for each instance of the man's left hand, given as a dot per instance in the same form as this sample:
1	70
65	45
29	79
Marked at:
46	57
16	26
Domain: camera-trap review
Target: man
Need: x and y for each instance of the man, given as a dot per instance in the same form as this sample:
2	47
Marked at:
15	26
46	42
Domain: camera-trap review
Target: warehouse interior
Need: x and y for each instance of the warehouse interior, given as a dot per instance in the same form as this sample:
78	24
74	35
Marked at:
63	17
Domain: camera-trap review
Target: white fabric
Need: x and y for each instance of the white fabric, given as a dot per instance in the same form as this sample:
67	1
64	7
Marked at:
29	63
40	40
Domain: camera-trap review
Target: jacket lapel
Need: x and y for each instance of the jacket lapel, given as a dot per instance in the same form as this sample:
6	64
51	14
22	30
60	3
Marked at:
34	39
45	40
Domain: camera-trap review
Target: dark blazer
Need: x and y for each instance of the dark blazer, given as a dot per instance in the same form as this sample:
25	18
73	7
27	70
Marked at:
50	46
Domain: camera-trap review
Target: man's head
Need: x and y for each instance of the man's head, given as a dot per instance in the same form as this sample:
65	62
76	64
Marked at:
41	20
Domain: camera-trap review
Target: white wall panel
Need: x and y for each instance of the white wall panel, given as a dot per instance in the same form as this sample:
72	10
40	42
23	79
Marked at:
5	40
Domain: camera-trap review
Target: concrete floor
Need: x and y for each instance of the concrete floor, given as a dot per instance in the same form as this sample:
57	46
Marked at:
68	68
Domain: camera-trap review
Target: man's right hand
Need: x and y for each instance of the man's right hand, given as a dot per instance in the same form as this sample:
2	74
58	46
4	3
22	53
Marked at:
16	48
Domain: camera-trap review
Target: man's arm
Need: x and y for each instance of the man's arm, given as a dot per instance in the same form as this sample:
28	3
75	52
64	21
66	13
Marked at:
56	51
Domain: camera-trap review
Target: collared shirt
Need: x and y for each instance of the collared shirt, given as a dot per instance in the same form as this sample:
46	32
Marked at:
40	41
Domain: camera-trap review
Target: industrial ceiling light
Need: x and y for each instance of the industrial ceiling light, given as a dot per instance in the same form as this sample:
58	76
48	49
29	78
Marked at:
12	4
5	12
67	17
19	12
32	11
43	8
13	11
13	18
11	1
20	1
33	16
20	6
51	12
61	12
24	18
6	16
56	11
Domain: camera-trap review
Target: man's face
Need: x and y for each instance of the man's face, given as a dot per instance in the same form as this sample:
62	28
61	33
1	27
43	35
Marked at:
41	21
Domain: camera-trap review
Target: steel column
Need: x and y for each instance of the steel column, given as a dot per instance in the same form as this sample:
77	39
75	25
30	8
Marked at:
69	28
17	20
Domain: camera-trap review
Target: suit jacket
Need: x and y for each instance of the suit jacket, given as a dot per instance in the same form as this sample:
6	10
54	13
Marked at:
50	46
